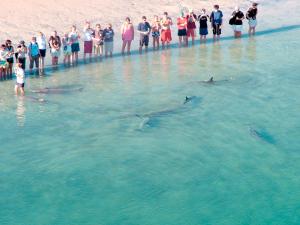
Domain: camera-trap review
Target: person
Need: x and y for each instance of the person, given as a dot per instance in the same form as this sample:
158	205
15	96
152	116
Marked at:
66	42
191	25
55	45
166	34
108	34
20	54
237	22
127	32
3	61
42	43
75	48
98	40
33	53
10	57
181	25
88	40
155	26
216	19
251	16
20	83
203	31
144	29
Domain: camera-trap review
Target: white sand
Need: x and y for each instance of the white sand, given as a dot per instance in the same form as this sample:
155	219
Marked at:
20	19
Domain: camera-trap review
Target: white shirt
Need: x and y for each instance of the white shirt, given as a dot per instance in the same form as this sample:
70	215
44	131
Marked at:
42	42
88	34
20	74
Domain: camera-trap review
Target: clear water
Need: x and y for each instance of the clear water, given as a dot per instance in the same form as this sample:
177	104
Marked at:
230	157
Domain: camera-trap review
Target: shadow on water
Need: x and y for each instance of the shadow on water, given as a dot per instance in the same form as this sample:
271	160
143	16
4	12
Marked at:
61	67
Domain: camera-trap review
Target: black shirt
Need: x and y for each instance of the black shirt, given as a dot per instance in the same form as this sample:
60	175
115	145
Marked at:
239	15
203	21
251	13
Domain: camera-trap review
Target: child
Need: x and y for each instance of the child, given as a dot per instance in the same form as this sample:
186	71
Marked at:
203	31
3	62
108	34
21	54
67	49
20	74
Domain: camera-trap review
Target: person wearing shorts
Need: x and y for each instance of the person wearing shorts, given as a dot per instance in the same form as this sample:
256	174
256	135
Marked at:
216	19
98	41
191	26
108	34
88	40
66	43
34	54
20	54
74	38
166	34
144	29
55	45
203	30
237	22
182	31
20	83
251	16
155	26
3	61
42	43
10	57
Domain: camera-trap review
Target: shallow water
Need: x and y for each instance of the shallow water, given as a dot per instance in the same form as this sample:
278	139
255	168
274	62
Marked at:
231	156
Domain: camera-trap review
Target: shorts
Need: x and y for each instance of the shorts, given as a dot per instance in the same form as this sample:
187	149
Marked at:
252	23
109	46
155	34
144	41
23	62
3	64
166	36
55	53
67	50
237	28
191	33
75	47
20	85
203	31
10	60
42	53
216	29
182	32
88	47
34	60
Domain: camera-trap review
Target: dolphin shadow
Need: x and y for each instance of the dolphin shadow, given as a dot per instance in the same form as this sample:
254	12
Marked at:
63	89
262	135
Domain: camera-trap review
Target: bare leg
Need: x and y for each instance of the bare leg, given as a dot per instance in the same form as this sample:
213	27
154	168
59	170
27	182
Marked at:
22	91
16	89
123	47
128	47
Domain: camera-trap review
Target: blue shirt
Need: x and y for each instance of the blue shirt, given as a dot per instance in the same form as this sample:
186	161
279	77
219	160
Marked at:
34	49
144	27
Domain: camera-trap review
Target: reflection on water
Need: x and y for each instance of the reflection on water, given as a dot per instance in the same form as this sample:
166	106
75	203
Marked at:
251	48
236	50
20	111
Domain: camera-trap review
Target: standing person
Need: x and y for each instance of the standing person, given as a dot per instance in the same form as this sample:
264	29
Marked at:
34	54
144	29
191	25
98	40
88	40
237	22
251	16
75	48
10	57
55	45
203	31
3	61
166	34
108	34
216	19
42	43
21	52
181	25
20	83
127	31
66	42
155	32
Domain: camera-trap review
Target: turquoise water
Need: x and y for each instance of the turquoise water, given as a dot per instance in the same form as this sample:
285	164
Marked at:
126	150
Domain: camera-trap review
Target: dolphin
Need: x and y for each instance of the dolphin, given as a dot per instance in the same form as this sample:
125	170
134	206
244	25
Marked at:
57	90
211	81
149	118
262	134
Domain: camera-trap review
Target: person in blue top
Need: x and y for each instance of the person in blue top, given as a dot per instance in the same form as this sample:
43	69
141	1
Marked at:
216	21
33	53
144	29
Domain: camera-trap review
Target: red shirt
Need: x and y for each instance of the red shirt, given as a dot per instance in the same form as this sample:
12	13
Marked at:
181	23
190	22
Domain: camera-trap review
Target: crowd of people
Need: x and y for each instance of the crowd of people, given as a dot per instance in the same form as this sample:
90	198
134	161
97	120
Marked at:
99	41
